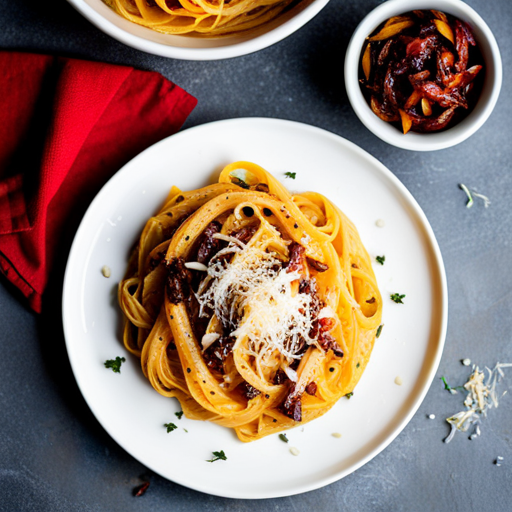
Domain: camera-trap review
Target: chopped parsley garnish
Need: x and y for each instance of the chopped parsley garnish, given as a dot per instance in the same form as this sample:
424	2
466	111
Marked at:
453	391
396	297
218	456
358	365
239	182
179	414
379	330
350	395
115	364
290	175
472	192
380	259
470	202
170	427
283	437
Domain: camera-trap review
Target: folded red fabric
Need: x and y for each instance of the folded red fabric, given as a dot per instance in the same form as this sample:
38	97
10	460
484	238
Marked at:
66	126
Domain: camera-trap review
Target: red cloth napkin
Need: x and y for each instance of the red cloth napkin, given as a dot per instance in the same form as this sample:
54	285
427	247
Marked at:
66	126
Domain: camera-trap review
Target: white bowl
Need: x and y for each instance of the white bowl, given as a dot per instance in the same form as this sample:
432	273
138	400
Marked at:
188	47
425	141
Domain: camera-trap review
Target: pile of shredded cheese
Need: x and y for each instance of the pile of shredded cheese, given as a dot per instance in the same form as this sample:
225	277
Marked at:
481	397
254	296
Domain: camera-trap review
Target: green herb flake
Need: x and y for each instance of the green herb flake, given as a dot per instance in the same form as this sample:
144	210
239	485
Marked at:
446	385
290	175
349	395
379	330
170	427
218	456
358	365
115	364
470	193
380	259
179	414
239	182
283	438
396	297
470	202
453	390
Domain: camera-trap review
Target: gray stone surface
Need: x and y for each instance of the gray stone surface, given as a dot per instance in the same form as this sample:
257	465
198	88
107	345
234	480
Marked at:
54	456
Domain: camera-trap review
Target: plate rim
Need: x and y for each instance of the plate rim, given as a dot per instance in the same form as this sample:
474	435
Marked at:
438	269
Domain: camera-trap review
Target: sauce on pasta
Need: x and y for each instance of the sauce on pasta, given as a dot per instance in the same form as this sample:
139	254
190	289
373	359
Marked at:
257	309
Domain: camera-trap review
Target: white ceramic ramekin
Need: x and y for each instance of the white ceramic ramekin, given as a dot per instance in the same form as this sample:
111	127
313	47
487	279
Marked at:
425	141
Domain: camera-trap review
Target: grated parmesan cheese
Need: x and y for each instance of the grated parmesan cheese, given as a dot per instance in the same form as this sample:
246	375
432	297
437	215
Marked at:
195	265
326	312
291	374
230	239
481	398
208	339
306	238
252	297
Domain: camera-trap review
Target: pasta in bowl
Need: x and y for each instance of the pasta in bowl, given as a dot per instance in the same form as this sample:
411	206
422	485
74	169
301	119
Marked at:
257	309
202	17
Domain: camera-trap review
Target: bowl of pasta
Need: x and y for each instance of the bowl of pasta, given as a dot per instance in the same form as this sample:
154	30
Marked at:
199	29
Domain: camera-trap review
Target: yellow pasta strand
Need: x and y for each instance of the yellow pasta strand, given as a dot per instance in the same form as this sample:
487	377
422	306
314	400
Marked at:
204	17
247	389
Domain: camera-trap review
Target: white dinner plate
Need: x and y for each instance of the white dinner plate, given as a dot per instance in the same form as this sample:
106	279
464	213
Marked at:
409	347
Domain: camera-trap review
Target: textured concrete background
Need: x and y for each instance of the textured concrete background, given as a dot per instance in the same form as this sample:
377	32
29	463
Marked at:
54	456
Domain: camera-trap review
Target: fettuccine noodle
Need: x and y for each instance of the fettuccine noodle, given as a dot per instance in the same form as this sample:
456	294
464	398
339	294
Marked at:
255	308
203	17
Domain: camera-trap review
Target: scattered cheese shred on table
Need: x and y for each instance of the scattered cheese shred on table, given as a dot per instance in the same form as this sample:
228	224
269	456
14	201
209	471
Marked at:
481	398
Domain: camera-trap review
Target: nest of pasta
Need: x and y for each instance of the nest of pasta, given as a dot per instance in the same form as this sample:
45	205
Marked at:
202	17
255	308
